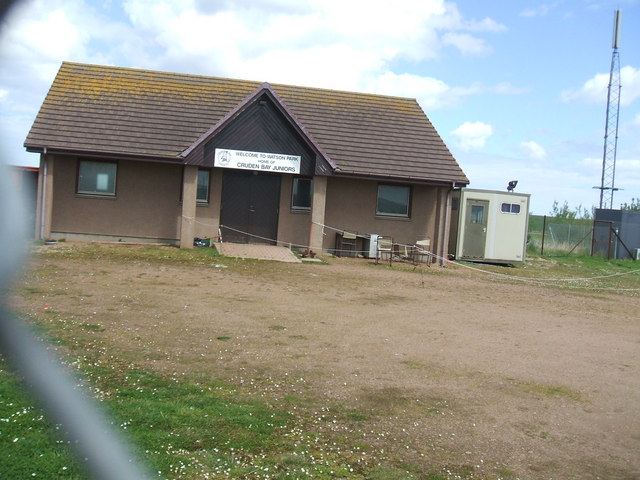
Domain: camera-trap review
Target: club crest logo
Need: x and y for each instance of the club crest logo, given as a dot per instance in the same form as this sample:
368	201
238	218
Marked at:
224	158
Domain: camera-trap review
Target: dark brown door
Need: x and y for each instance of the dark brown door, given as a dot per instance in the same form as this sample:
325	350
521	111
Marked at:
250	201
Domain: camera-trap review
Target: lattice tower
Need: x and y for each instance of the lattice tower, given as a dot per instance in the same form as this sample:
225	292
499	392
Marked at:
607	185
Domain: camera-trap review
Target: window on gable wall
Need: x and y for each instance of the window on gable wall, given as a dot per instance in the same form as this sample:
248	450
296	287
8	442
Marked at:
393	200
97	178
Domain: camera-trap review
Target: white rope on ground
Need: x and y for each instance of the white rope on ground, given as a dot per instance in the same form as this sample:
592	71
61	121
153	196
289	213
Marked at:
195	220
361	235
538	281
577	279
446	261
273	240
548	281
423	252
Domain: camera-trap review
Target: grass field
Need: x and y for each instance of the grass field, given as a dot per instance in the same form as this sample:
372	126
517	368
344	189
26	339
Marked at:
185	428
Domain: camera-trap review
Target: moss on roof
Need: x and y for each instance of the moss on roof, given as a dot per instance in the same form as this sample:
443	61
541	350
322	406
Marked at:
143	113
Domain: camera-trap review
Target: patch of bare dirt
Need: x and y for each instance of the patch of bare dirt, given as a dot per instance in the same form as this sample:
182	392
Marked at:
444	368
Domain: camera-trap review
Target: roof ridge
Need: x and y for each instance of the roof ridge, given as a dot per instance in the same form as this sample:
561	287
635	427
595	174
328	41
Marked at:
235	80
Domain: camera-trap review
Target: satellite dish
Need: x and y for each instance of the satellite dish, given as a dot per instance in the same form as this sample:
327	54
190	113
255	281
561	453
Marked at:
512	185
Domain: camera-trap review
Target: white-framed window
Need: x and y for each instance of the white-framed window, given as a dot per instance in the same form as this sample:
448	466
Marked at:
301	194
510	208
393	200
97	178
202	191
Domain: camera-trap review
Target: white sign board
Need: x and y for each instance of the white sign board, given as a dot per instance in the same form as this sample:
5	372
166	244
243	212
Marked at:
264	162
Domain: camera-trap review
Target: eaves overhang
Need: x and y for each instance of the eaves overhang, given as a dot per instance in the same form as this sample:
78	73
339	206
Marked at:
402	179
103	154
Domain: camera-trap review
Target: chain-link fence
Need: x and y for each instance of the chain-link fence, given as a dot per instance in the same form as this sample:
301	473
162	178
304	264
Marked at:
550	235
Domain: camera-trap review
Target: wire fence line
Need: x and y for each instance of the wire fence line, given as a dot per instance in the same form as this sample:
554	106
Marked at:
543	281
567	237
552	236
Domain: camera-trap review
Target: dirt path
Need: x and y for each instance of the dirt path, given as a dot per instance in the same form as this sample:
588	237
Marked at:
448	369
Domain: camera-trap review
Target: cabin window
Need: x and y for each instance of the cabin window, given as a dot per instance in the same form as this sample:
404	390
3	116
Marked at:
202	191
301	194
510	208
477	214
97	178
393	200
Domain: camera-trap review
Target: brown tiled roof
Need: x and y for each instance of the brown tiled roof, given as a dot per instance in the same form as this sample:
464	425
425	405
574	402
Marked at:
158	115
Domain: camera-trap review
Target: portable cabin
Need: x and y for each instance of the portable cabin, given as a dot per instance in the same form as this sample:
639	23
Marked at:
489	225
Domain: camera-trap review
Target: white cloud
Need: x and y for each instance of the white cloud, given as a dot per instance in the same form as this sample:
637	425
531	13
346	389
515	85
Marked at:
244	35
329	43
352	63
627	175
466	43
629	164
472	135
393	31
453	20
352	45
533	150
594	90
592	163
430	92
484	25
40	34
539	11
507	88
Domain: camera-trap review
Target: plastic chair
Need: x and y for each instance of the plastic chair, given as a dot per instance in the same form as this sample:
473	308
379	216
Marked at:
346	241
384	247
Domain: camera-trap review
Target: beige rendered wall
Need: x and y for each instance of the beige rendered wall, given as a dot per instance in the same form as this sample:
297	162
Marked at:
188	210
351	206
293	226
44	198
147	205
208	215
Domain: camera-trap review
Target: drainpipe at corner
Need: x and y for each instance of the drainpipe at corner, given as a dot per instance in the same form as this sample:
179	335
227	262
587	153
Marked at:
43	197
447	221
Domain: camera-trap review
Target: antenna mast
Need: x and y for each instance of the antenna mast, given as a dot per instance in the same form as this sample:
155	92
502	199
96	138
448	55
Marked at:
607	185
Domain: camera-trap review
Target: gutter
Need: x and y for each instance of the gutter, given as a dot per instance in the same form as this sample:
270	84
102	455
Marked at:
399	180
110	155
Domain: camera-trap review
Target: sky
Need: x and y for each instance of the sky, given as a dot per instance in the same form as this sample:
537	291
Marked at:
516	89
